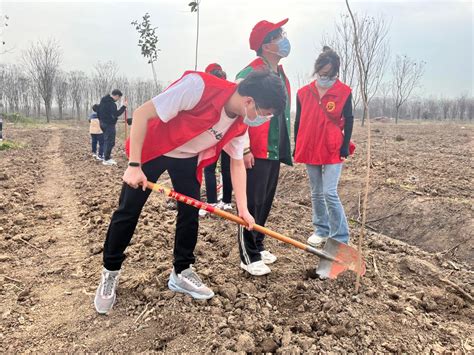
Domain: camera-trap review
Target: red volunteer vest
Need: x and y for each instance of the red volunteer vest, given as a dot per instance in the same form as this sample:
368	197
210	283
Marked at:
320	134
259	135
163	137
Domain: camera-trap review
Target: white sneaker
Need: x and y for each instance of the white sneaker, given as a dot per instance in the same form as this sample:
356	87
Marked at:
203	213
257	268
189	282
94	155
105	295
316	240
172	204
226	206
99	157
109	162
267	257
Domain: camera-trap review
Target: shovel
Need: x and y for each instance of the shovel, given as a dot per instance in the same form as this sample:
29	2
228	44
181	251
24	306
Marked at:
336	257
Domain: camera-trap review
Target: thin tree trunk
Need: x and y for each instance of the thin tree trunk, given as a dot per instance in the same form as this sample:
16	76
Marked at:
368	162
154	77
47	106
197	39
364	113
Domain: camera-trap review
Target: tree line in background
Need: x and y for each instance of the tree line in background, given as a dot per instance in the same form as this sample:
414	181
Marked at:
422	108
37	83
389	84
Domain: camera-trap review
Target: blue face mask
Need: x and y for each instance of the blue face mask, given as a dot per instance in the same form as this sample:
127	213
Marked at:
325	81
284	47
257	121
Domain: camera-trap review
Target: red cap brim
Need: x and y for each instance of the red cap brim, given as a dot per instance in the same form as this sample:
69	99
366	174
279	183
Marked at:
278	25
281	24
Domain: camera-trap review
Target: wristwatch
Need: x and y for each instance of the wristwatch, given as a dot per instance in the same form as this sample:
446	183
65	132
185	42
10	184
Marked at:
134	164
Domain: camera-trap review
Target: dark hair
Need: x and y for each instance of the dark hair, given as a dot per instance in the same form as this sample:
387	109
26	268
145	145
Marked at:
328	56
95	108
268	38
219	73
266	88
117	92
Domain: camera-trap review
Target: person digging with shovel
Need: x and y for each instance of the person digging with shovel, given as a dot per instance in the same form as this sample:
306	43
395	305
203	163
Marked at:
181	131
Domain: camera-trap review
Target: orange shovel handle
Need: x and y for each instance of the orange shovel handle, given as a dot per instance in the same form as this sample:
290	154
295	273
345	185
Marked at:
339	257
229	216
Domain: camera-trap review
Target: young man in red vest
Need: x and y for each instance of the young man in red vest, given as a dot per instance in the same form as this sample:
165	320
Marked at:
269	145
181	131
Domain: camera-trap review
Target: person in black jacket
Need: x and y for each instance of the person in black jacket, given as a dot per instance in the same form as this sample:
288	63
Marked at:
108	115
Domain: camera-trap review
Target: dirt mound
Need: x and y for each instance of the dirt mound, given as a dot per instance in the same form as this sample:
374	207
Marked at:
421	186
56	203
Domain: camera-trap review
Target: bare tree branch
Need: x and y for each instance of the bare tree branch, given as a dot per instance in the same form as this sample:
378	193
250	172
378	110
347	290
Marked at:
41	61
372	33
342	42
406	77
61	91
105	77
77	82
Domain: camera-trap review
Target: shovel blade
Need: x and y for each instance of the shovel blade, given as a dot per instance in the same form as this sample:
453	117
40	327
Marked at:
344	258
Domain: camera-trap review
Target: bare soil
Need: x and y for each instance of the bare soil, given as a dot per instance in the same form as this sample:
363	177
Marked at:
417	295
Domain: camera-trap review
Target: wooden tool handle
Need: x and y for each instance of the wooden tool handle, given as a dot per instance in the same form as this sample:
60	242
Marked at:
229	216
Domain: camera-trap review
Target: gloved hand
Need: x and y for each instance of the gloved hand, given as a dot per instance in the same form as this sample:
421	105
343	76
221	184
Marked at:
344	152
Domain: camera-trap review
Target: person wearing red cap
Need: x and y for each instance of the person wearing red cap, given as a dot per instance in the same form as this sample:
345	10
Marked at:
216	70
181	131
210	170
268	146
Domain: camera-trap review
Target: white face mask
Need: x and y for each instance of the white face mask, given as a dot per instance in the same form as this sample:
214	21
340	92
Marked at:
257	121
325	81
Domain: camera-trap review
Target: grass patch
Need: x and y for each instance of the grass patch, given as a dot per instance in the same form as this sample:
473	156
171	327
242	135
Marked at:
19	119
5	145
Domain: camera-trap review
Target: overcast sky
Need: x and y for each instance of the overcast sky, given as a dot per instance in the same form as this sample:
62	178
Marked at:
440	33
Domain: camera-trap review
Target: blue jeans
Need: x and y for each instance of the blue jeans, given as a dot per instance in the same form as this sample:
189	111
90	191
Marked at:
98	139
109	130
329	219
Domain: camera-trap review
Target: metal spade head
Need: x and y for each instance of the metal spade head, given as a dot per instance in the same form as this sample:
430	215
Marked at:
341	257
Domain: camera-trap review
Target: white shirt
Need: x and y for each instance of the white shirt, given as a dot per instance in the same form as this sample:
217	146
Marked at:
185	95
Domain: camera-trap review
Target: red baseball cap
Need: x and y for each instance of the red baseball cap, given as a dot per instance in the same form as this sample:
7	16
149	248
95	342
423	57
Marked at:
260	30
212	66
